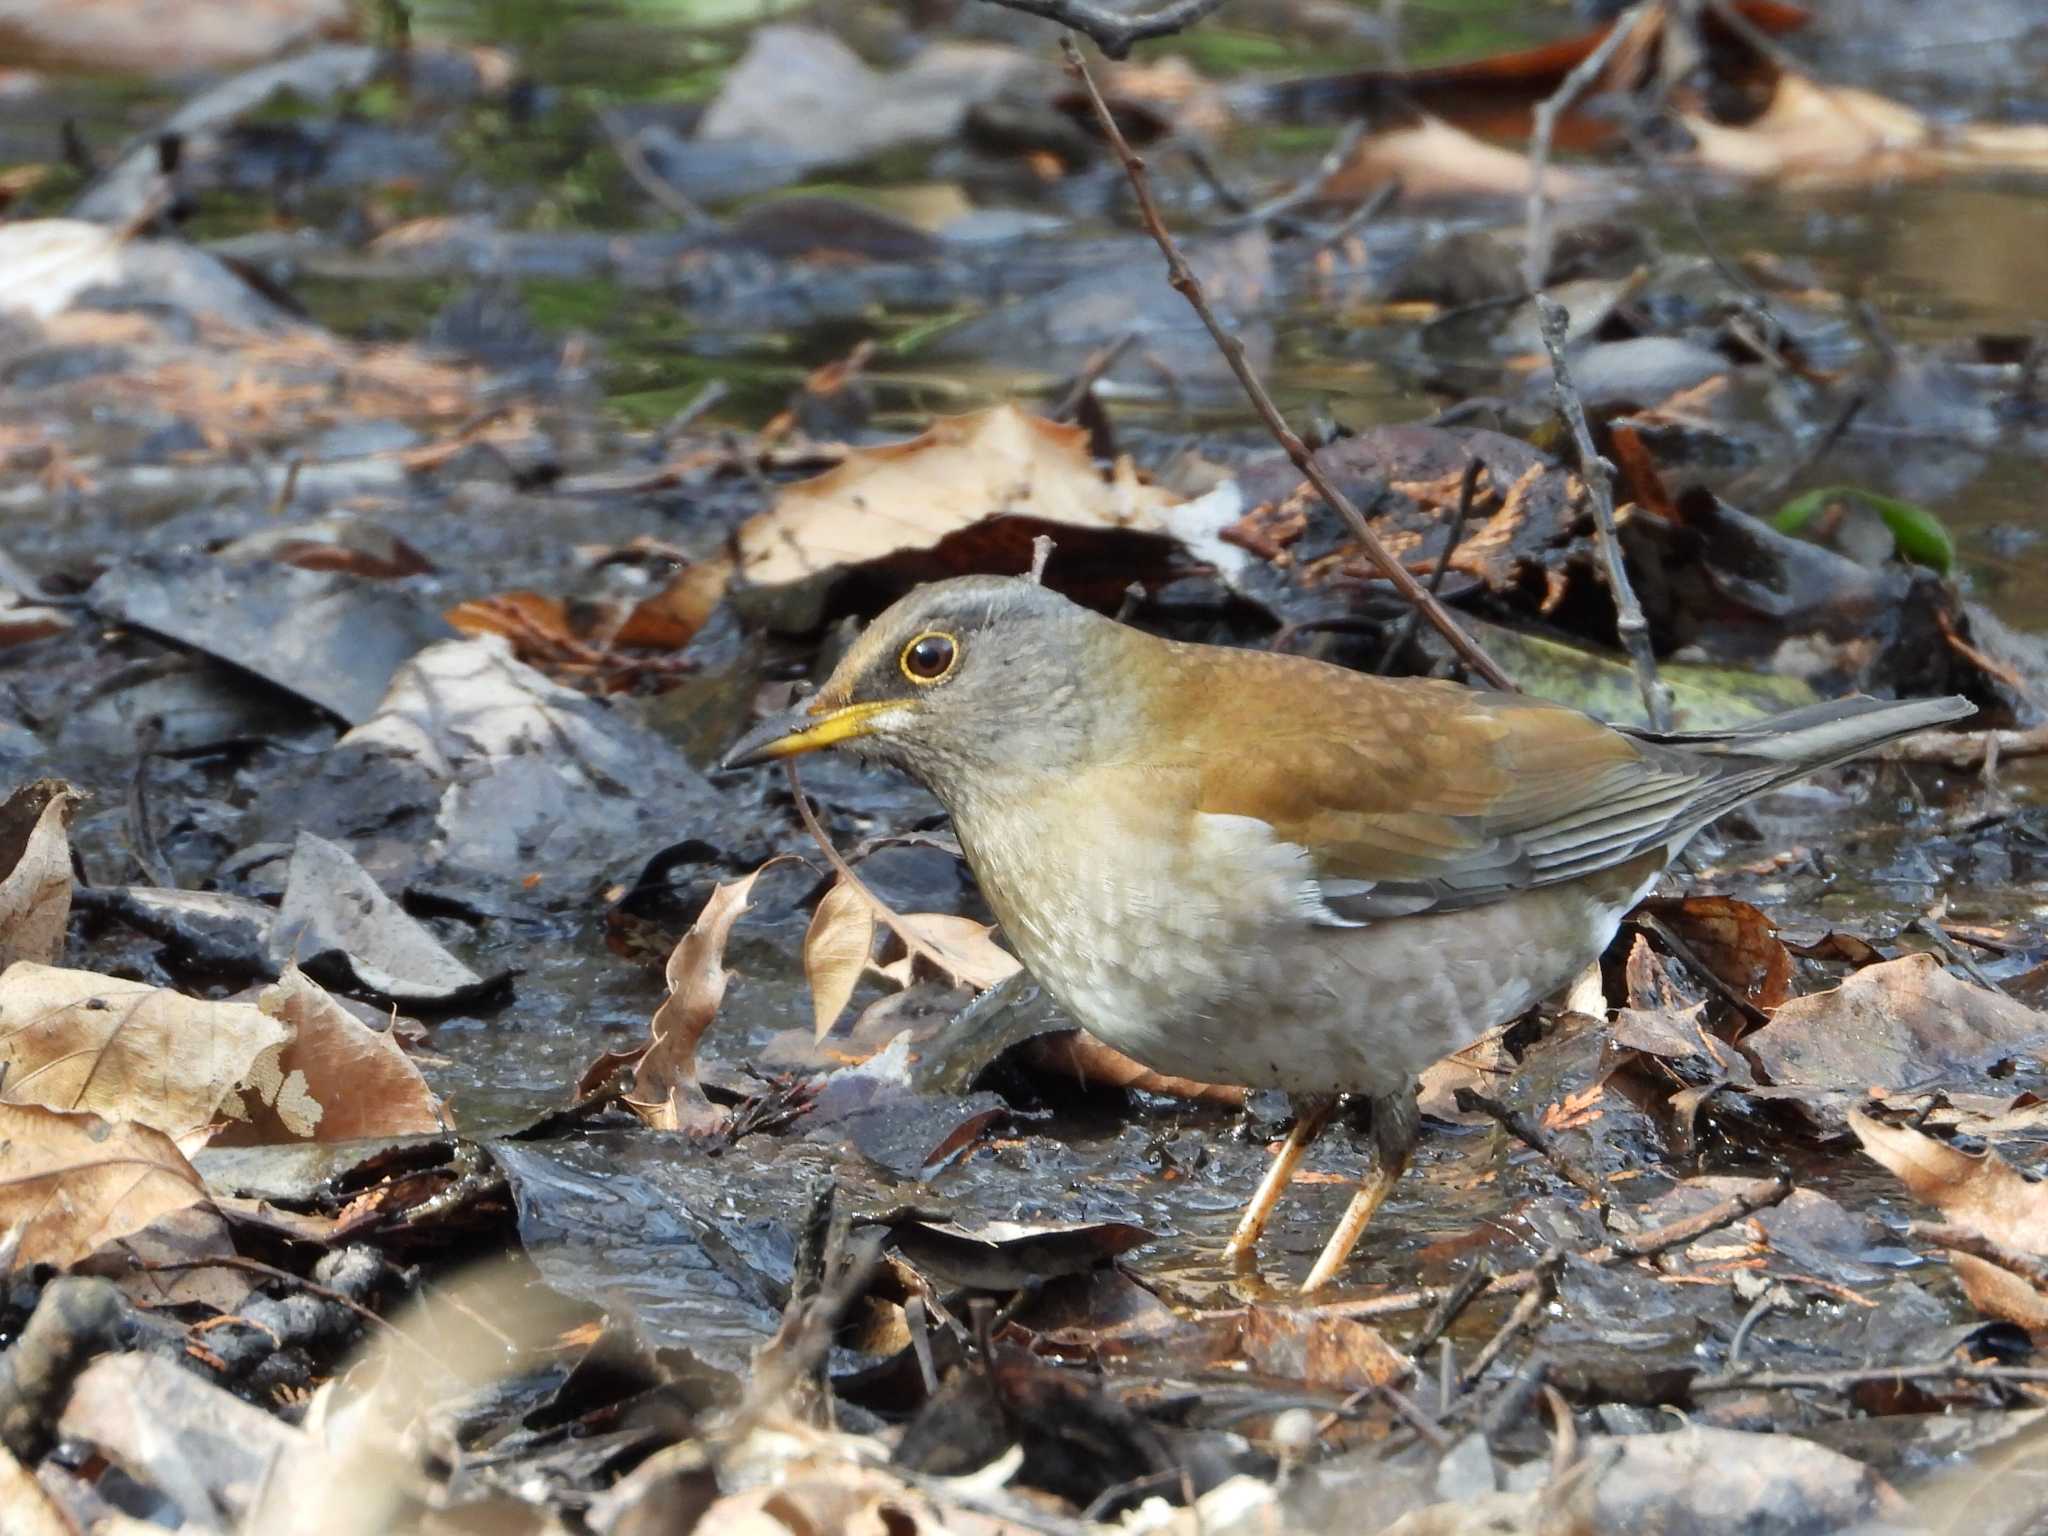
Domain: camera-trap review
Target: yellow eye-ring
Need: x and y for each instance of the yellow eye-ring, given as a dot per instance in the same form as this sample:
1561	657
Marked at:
930	657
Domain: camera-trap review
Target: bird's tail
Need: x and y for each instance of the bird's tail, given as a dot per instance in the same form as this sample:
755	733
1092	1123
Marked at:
1780	748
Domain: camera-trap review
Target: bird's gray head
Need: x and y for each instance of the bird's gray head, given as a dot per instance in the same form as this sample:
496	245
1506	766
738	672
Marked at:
980	679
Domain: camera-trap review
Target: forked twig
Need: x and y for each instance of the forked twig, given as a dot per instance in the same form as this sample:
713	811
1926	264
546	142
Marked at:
1536	237
1598	478
1184	282
1113	33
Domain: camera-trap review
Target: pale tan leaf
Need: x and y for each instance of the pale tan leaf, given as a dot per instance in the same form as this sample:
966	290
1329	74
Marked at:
965	948
337	1079
129	1051
1998	1292
907	496
836	950
70	1183
1079	1055
1986	1194
1432	158
35	853
665	1092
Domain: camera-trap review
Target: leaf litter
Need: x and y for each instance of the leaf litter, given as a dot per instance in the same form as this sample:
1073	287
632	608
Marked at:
844	1226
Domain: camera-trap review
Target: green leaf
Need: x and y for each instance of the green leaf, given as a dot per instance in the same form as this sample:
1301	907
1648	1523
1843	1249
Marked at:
1918	532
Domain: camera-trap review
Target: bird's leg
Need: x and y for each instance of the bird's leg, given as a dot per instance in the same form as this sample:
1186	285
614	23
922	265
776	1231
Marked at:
1396	1122
1310	1116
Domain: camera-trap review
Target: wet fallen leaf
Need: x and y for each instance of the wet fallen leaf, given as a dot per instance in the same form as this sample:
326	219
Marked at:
1904	1023
1919	533
1079	1057
337	921
1001	1255
910	495
74	1040
1430	158
665	1092
1736	942
1986	1194
1322	1351
71	1183
35	853
964	949
837	947
340	1080
151	37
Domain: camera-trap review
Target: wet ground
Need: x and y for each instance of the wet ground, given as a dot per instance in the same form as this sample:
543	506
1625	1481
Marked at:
488	217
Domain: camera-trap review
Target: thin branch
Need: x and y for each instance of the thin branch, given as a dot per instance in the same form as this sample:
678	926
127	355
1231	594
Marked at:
1518	1125
1537	239
1468	487
1736	1381
1598	478
1184	282
881	909
1115	34
1281	204
1978	1246
1642	1245
626	146
1968	749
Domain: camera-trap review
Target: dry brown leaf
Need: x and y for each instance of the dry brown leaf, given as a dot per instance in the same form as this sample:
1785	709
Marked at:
1079	1055
964	948
1734	940
1997	1292
1986	1194
75	1040
1899	1023
164	37
337	1079
1814	131
35	852
70	1183
1431	158
665	1093
837	947
908	496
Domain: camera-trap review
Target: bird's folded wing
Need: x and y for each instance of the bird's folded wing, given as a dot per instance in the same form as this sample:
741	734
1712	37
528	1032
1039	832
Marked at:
1415	797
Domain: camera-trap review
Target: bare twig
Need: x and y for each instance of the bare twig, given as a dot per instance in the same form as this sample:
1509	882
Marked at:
1536	239
1473	1284
1642	1245
1518	1125
648	179
1598	478
1737	1381
1098	363
1468	486
1041	552
844	870
1968	749
1520	1319
1115	34
1384	196
1281	204
1184	282
1963	1240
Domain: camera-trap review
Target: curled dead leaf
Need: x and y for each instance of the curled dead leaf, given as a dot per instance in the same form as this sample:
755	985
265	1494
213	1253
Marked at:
964	949
837	946
1986	1194
35	853
665	1091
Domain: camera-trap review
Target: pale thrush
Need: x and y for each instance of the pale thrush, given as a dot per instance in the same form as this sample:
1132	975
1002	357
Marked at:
1251	868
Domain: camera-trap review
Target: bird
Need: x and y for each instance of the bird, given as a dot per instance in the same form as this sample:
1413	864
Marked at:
1254	868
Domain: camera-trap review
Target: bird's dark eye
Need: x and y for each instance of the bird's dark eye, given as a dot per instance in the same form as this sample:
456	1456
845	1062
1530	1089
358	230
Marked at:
929	657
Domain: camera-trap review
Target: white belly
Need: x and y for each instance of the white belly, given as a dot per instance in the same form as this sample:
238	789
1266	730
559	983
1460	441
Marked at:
1239	986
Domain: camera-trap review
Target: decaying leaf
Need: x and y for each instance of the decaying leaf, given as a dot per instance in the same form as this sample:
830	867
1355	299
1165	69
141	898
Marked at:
1078	1055
1734	940
665	1092
1902	1023
35	853
836	950
70	1183
909	496
964	949
336	1080
1986	1194
75	1040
